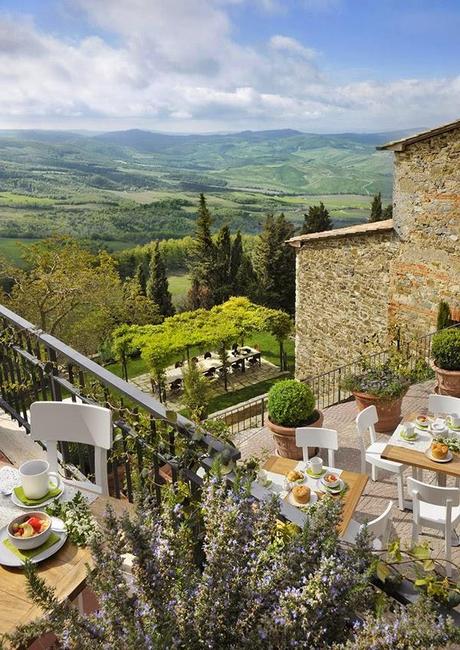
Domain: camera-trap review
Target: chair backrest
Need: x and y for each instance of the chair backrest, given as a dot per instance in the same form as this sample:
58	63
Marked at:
53	422
317	437
365	422
444	404
449	497
379	528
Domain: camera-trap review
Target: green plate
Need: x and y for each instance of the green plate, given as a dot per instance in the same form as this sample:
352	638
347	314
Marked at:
310	473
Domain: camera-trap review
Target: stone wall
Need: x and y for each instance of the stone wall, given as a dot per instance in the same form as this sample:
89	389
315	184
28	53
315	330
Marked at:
427	217
342	296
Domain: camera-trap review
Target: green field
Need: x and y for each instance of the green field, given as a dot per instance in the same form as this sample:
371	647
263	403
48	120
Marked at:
179	286
127	188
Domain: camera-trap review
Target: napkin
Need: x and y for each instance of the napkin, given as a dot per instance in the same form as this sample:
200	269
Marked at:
31	553
19	493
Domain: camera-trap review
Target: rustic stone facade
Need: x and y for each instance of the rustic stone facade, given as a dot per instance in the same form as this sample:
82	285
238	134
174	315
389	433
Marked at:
342	297
427	218
360	284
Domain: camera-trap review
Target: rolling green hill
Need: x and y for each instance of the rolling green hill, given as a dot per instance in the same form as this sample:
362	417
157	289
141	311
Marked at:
132	186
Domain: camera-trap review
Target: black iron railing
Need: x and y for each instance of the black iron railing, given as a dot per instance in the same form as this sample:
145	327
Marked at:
150	443
327	386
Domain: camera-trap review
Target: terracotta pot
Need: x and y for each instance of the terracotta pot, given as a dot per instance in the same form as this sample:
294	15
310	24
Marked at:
285	439
448	381
389	411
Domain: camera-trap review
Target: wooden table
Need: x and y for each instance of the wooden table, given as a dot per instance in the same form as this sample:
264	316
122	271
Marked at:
65	571
356	484
418	459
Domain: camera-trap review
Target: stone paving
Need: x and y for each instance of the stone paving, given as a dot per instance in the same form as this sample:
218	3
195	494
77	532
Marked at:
258	442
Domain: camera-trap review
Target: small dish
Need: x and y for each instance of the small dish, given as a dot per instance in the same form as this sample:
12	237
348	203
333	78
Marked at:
447	459
338	489
35	538
422	421
330	481
8	558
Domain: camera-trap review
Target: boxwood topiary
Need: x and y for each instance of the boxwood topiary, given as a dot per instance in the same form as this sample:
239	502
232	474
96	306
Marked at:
291	404
445	349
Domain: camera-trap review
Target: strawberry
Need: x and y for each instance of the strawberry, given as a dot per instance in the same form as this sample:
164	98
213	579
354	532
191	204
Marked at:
36	523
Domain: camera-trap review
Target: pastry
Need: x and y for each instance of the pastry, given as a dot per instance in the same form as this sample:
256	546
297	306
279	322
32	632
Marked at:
294	475
439	450
301	493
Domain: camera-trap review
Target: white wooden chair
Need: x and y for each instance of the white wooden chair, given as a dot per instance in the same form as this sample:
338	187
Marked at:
444	404
435	507
317	437
53	422
379	529
372	454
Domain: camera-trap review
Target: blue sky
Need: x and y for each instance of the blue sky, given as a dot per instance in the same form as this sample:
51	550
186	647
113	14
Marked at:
206	65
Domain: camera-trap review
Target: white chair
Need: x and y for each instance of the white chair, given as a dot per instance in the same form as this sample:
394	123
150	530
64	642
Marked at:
443	404
379	529
365	421
435	507
317	437
53	422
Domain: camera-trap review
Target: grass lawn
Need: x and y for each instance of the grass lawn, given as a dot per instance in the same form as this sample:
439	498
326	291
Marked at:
270	348
179	286
135	367
225	400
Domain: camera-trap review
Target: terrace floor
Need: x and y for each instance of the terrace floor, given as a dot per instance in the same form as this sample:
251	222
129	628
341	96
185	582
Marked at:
258	442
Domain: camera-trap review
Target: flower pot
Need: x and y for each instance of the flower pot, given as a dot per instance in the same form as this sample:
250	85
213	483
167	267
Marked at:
284	438
448	381
388	410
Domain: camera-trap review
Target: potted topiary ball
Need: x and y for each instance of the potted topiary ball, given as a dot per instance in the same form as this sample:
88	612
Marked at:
291	404
383	387
445	350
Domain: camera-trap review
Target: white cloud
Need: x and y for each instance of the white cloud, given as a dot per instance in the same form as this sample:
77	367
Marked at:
175	64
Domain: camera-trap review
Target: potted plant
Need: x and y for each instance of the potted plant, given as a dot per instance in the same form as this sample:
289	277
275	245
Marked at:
382	386
291	404
445	350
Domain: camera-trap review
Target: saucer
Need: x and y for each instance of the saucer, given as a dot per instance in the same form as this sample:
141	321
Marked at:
447	459
37	506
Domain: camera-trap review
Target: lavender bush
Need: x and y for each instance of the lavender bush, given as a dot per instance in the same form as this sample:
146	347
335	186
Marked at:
224	572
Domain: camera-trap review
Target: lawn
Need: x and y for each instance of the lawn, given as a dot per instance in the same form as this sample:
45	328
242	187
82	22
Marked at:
179	286
226	400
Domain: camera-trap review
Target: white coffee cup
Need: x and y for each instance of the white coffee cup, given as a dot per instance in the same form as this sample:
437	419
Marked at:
35	478
316	465
455	420
409	428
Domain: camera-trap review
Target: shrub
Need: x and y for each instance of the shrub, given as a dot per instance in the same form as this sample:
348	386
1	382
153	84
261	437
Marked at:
196	392
255	583
291	403
446	349
444	318
380	381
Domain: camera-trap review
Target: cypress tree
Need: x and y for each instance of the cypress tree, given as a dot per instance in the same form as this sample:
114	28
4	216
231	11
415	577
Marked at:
222	279
245	282
202	256
317	219
157	288
376	209
142	274
236	257
388	212
444	318
274	264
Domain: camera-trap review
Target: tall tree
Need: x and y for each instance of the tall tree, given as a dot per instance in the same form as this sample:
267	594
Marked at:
376	209
236	257
274	264
157	288
388	212
245	282
317	219
222	286
202	257
142	273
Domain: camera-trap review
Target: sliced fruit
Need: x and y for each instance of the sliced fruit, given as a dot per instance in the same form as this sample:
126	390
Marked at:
27	530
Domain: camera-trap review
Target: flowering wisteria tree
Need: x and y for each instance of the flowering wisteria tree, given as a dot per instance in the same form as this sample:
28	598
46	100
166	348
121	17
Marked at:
224	572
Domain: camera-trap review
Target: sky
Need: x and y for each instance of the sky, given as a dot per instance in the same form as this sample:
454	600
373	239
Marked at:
323	66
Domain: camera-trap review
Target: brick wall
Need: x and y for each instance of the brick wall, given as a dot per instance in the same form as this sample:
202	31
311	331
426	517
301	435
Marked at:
427	217
342	297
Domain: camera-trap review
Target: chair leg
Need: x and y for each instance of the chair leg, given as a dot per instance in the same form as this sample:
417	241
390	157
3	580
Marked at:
414	533
400	481
374	473
448	547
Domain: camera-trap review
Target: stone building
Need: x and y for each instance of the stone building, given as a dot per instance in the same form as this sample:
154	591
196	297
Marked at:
356	286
